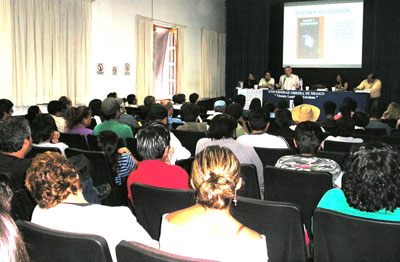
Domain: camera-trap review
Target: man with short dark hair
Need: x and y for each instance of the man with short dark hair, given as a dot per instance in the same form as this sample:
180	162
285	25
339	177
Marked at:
15	143
6	109
168	105
377	110
111	111
55	109
153	144
258	137
329	109
194	98
308	139
190	113
132	101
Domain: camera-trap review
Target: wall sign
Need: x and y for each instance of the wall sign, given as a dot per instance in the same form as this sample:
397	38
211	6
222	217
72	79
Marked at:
100	68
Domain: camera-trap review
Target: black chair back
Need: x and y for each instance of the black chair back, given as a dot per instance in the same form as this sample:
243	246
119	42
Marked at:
338	157
304	188
341	237
94	146
131	144
175	125
371	131
186	164
39	150
133	251
45	245
269	156
151	203
280	223
339	146
189	139
74	140
250	187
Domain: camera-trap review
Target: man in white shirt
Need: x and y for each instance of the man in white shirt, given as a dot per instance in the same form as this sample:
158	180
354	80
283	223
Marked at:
288	81
258	137
267	81
55	110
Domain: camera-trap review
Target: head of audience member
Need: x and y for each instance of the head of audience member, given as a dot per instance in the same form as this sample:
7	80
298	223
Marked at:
108	142
329	109
149	101
308	137
66	102
95	107
194	98
110	108
269	106
255	103
283	118
6	109
227	100
283	104
78	116
216	177
305	112
153	142
180	99
169	106
6	195
267	75
219	106
112	94
258	121
352	103
131	99
250	76
288	71
361	119
371	78
33	111
234	110
190	112
345	126
43	127
222	127
52	179
15	137
55	108
371	178
298	100
345	109
240	99
158	113
377	110
392	111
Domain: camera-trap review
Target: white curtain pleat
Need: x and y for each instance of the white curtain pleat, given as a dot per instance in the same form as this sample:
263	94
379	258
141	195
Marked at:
222	62
5	49
180	75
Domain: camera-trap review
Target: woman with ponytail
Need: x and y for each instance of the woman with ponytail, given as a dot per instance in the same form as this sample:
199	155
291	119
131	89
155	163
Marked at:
78	119
207	230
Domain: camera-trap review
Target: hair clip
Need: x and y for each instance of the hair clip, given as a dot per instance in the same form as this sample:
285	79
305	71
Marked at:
210	194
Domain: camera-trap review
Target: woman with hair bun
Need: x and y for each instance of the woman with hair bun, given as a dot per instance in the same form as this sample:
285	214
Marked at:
207	230
78	119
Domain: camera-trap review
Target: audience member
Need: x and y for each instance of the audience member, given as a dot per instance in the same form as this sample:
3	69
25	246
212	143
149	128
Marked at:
209	224
219	108
329	109
240	99
250	81
190	113
347	108
375	115
153	144
308	138
6	194
95	108
54	184
15	143
179	100
255	103
78	119
392	115
125	118
222	132
110	108
33	111
170	109
283	104
112	94
370	184
344	128
283	121
45	134
361	120
132	101
269	106
55	109
305	112
121	159
66	104
236	110
158	113
298	100
258	137
194	98
6	109
148	102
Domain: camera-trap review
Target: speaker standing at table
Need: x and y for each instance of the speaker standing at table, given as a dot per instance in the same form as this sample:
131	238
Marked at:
372	84
288	81
267	81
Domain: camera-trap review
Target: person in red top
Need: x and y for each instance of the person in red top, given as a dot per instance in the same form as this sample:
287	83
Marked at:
155	169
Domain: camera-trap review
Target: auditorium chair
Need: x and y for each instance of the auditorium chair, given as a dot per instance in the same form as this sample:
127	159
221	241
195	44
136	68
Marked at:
102	174
250	187
94	146
186	164
304	188
290	142
280	223
133	251
189	139
39	150
370	131
269	156
48	245
339	146
131	144
342	237
338	157
151	203
175	125
74	140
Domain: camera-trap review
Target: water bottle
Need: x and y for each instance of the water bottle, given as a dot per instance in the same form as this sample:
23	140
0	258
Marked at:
301	83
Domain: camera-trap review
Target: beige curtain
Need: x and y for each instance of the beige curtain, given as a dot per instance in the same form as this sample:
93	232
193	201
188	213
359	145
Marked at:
144	58
212	72
5	50
50	51
181	87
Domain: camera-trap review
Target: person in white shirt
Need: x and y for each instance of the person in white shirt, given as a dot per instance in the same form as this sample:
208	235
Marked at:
54	184
54	108
258	137
288	81
267	81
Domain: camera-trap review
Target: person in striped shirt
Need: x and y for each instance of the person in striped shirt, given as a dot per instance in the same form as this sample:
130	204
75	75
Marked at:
288	81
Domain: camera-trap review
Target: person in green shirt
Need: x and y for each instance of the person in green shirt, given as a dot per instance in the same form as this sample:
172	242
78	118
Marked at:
370	184
111	111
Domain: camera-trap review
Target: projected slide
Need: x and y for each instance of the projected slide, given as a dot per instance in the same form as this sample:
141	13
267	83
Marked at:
323	34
